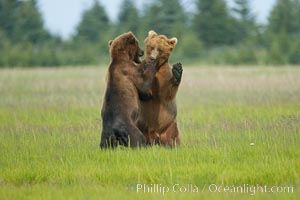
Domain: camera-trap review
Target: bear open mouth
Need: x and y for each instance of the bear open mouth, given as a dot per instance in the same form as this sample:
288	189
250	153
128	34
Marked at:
140	54
137	60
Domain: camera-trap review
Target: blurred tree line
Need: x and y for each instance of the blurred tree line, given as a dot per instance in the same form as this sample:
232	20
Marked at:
212	33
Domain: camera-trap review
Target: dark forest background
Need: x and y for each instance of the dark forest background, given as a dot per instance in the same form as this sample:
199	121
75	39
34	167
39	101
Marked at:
212	34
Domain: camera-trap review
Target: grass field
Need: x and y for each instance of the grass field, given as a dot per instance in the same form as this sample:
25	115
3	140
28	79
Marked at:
240	127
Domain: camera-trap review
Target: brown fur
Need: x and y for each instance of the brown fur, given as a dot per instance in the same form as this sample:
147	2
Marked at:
121	102
158	115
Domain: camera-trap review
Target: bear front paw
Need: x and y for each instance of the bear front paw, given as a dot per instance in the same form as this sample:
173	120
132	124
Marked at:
150	67
177	72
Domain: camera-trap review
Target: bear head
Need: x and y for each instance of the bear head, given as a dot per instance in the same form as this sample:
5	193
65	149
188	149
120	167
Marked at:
125	46
158	48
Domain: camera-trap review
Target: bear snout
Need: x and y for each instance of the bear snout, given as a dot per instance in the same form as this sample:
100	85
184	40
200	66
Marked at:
153	55
151	59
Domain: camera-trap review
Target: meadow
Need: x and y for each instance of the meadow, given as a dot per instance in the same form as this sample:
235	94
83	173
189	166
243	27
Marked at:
240	129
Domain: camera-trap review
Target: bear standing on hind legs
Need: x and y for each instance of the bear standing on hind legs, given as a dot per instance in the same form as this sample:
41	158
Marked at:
157	119
121	104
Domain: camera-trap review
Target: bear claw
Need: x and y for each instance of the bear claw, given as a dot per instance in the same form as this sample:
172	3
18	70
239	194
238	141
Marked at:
177	72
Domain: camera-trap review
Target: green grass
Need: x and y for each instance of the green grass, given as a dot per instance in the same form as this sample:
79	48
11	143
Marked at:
239	126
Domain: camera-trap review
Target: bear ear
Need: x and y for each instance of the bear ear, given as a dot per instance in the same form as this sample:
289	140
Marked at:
173	41
131	38
151	33
110	42
130	34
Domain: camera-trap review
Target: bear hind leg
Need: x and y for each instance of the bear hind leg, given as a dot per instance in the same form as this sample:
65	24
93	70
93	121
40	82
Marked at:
108	141
127	134
171	137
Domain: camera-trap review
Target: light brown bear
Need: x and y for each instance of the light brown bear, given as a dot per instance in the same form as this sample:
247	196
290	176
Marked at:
125	81
157	119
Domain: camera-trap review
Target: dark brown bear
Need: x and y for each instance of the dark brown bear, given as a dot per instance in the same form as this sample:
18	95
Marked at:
158	115
125	81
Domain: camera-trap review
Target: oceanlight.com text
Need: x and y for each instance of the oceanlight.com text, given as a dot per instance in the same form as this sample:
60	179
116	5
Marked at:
212	188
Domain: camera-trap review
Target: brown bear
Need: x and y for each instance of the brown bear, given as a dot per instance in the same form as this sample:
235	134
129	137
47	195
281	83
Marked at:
157	119
125	81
